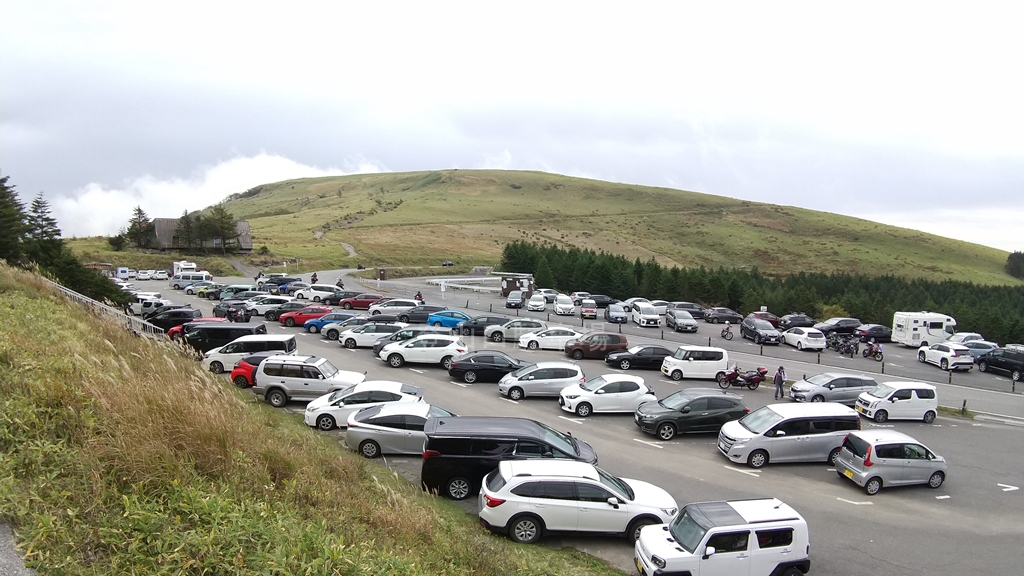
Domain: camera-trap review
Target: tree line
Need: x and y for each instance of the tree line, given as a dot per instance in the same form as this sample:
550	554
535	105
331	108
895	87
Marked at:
997	312
30	238
194	231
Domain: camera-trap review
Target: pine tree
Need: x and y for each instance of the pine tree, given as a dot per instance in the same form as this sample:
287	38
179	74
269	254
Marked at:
222	224
140	228
42	240
543	276
1015	264
186	231
12	223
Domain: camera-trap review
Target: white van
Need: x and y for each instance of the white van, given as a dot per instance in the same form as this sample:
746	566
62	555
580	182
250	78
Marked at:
811	432
224	357
696	362
900	401
179	281
121	273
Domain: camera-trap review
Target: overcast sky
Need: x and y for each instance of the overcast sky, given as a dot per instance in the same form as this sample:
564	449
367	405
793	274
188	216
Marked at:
905	113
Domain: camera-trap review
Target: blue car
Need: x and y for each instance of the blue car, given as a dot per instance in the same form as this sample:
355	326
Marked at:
447	318
316	324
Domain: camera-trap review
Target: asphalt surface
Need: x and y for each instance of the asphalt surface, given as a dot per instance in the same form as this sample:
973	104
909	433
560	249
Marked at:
11	563
974	522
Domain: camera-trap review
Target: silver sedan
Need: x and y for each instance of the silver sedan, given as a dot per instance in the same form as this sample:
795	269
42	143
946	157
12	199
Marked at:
395	428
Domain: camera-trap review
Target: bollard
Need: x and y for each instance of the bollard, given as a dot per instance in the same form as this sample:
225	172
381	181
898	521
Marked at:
951	379
883	366
467	303
662	333
819	356
709	340
581	320
620	328
517	311
762	349
1013	385
490	307
549	316
963	409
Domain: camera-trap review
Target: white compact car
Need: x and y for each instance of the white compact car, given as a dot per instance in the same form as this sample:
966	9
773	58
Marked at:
564	305
316	292
947	356
548	338
577	497
366	335
537	303
608	393
396	306
160	275
145	274
804	338
326	411
260	304
425	349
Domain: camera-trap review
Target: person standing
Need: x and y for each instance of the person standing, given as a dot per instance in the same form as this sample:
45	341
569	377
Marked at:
780	381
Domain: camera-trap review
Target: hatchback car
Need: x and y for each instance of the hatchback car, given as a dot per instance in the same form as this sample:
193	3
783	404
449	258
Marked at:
527	498
838	325
419	314
760	331
690	410
360	301
537	303
513	329
588	308
425	349
479	324
314	325
483	366
366	335
680	320
548	338
874	459
300	316
832	387
877	332
243	371
947	356
640	356
980	348
394	306
327	411
564	306
608	393
391	428
616	314
447	318
540	379
549	294
718	315
766	316
804	338
274	313
334	329
796	320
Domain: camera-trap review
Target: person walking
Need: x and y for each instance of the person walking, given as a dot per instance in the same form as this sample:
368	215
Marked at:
780	380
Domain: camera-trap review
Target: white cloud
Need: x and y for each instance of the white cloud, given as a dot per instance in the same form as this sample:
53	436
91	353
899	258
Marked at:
98	210
986	226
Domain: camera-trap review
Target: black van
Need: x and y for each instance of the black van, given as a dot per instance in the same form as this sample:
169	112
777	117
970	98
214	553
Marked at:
460	451
205	336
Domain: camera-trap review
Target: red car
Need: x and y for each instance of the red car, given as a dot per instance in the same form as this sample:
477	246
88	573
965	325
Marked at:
243	371
300	316
362	302
767	317
175	332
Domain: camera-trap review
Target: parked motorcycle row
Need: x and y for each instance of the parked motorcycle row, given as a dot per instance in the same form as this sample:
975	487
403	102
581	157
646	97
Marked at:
849	345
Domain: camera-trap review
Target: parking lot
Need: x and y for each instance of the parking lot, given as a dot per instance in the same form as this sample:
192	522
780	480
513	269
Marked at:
974	522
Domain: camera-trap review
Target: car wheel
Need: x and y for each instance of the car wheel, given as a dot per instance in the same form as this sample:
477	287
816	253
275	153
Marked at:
936	479
403	318
800	346
350	343
944	364
757	338
757	459
577	354
497	337
216	367
457	488
369	449
189	292
437	323
832	456
532	345
300	296
375	313
316	298
624	364
396	360
446	362
881	416
466	331
1017	376
818	398
677	375
583	410
634	529
920	356
347	306
241	381
792	571
516	393
525	529
872	486
929	417
270	316
325	422
289	322
313	328
983	366
666	431
276	398
332	334
469	377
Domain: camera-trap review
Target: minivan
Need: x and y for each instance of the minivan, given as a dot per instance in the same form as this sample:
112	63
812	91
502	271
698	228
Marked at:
461	450
217	359
540	379
696	362
515	299
811	432
179	281
900	401
204	336
832	387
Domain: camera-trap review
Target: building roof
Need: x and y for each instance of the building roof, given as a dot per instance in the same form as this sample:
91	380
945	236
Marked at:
166	228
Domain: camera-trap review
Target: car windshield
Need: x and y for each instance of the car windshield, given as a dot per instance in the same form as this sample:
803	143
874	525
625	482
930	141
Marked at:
649	310
686	531
555	438
760	420
763	325
675	401
328	369
683	315
436	412
881	391
616	484
634	349
594	384
819	379
339	393
523	371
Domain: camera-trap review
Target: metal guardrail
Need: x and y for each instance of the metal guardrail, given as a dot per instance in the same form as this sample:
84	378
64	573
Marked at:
136	325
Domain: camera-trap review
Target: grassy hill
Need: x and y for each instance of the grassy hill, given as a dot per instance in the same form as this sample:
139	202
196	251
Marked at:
120	455
468	215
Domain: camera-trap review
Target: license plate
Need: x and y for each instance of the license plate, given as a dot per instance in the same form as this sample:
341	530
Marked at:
721	446
848	473
639	566
859	409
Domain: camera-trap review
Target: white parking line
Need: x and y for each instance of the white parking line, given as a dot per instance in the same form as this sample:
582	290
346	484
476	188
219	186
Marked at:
855	503
741	471
417	371
942	497
1008	488
649	443
508	400
573	420
458	383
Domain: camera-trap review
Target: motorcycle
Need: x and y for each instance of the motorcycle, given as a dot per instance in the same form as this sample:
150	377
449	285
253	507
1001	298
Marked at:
727	332
849	346
419	298
750	379
833	341
873	351
340	284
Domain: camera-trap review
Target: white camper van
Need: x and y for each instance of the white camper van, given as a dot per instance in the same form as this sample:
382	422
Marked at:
921	328
184	267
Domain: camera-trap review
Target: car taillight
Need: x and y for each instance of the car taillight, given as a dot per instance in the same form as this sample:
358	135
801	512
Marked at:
867	458
746	410
428	454
492	502
460	350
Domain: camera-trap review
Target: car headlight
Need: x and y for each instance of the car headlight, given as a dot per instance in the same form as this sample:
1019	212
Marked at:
670	511
572	396
659	562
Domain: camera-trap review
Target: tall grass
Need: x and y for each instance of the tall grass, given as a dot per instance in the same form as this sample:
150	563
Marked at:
118	455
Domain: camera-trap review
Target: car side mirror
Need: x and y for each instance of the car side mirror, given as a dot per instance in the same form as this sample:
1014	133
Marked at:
600	391
709	551
831	386
613	502
685	410
780	433
893	399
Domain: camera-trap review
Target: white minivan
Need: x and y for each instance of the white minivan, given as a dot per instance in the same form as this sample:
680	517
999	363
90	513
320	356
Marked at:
224	357
900	401
696	362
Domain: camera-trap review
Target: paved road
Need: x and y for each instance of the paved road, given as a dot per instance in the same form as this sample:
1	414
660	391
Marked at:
973	523
11	563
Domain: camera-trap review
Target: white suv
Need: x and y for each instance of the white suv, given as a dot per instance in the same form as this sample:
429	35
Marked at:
424	349
758	537
282	378
526	498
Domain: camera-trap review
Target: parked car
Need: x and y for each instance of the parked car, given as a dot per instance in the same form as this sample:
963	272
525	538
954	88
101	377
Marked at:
947	356
1006	360
899	401
292	287
837	325
160	275
564	306
366	335
426	349
513	329
767	317
210	287
832	387
515	299
549	294
224	306
696	362
390	428
218	359
314	325
962	337
316	292
879	333
336	298
360	302
719	314
279	379
602	301
243	371
578	297
327	411
406	333
648	356
333	330
176	332
537	303
478	325
272	314
874	459
261	305
607	393
760	331
419	314
680	320
191	289
300	317
695	310
643	314
689	410
588	308
448	318
779	433
527	498
483	366
616	314
595	344
548	338
980	348
170	318
540	379
804	338
796	320
394	306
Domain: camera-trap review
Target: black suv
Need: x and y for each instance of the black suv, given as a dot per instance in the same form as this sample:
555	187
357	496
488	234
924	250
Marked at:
601	300
796	320
460	451
760	331
838	325
476	326
176	317
1008	360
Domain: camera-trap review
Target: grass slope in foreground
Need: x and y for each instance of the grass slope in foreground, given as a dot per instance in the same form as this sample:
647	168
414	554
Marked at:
121	456
469	215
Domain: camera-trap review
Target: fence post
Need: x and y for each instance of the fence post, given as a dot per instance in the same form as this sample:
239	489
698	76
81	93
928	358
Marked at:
963	408
819	356
951	379
762	349
490	307
709	340
883	366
